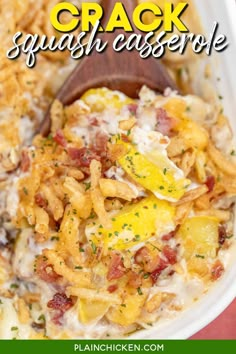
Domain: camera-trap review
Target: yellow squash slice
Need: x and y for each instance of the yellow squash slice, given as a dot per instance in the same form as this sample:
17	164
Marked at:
199	236
90	311
129	311
99	99
154	171
135	223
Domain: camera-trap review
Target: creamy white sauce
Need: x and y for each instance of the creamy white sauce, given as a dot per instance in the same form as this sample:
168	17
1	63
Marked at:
25	251
149	141
10	326
12	198
220	135
3	236
26	130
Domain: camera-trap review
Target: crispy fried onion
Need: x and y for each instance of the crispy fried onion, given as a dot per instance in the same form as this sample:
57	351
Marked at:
220	160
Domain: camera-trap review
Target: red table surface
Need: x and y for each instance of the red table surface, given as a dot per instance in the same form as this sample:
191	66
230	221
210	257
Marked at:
223	327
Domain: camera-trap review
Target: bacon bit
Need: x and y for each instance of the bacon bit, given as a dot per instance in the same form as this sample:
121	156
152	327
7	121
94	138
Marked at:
100	144
222	234
157	272
145	259
125	138
61	303
83	156
116	267
112	288
134	280
60	139
57	318
210	183
217	270
40	201
169	236
75	153
142	256
93	121
170	254
164	123
45	271
25	161
132	107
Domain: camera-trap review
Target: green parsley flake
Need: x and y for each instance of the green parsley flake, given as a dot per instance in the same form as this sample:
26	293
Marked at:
87	186
94	247
146	276
25	190
14	286
55	238
42	318
199	256
140	291
14	328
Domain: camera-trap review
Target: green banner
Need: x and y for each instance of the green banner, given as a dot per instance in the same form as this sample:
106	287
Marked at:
117	346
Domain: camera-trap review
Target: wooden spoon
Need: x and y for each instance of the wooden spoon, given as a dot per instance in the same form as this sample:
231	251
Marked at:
125	71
